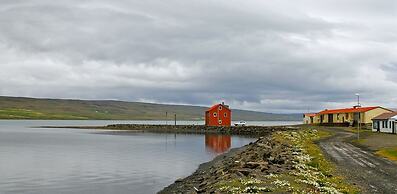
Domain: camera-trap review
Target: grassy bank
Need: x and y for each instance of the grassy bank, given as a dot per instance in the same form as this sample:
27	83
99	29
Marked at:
389	153
34	108
30	114
311	172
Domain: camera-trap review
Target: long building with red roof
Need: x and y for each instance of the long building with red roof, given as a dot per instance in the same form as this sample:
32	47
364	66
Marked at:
351	116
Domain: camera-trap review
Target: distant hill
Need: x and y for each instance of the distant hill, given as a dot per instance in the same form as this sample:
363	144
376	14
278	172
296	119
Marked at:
34	108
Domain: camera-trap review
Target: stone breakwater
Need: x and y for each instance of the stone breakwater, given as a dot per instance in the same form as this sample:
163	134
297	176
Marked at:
253	131
263	157
283	162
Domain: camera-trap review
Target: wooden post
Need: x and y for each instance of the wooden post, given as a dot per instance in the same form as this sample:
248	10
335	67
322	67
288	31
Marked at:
166	118
175	118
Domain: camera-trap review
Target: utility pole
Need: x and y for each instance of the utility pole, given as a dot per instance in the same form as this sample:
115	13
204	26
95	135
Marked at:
166	118
359	116
175	119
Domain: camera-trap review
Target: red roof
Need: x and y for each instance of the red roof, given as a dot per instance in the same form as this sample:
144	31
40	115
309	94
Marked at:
216	106
348	110
310	114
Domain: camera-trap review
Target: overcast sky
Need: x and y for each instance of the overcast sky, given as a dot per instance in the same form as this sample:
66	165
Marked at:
272	56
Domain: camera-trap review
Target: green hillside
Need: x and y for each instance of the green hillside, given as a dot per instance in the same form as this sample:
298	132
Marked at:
33	108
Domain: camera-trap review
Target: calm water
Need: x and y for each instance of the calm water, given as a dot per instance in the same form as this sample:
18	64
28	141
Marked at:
35	160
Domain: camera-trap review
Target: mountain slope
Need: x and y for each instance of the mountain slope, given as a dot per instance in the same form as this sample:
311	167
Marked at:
34	108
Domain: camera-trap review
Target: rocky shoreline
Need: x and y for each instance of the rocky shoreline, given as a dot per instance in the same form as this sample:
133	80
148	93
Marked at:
281	162
253	160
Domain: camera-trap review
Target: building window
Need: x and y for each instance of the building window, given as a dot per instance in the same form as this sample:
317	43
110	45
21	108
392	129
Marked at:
384	124
220	107
347	116
225	115
220	122
215	114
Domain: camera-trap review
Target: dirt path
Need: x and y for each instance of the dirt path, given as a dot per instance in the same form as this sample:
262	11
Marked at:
374	174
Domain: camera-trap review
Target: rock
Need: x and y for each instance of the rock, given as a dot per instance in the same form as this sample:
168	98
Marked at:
245	172
280	160
264	168
179	180
203	184
267	155
252	165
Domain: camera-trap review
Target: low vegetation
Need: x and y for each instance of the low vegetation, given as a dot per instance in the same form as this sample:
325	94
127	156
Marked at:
389	153
31	108
30	114
311	172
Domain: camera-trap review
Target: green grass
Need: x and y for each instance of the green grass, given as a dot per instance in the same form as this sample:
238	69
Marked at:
306	140
389	153
312	173
29	114
318	161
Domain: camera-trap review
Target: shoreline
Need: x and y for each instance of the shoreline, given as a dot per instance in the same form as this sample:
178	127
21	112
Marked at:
191	183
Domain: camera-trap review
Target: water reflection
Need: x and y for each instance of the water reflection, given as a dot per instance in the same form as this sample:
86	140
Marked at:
218	144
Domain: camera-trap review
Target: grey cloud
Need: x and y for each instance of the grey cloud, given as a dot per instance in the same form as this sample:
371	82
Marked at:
263	55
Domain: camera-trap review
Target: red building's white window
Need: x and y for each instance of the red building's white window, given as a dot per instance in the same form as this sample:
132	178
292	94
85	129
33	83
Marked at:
220	122
215	114
220	107
225	115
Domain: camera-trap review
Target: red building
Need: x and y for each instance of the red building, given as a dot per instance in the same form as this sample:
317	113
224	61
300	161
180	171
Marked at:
218	115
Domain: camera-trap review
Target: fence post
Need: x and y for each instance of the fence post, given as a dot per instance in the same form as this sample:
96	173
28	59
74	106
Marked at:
175	119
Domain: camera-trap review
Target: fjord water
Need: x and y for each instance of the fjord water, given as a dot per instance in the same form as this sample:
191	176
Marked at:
39	160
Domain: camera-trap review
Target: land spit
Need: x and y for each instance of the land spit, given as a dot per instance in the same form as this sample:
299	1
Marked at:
252	131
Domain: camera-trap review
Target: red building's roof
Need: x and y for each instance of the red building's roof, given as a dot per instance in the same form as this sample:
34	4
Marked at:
348	110
216	106
310	114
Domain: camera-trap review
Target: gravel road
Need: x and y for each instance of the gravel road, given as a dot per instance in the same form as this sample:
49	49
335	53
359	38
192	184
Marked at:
373	174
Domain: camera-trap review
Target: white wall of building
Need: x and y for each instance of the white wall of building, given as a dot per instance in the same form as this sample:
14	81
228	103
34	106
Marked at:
385	126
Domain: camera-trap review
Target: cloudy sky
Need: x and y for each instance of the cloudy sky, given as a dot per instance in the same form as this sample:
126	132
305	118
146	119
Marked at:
273	56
